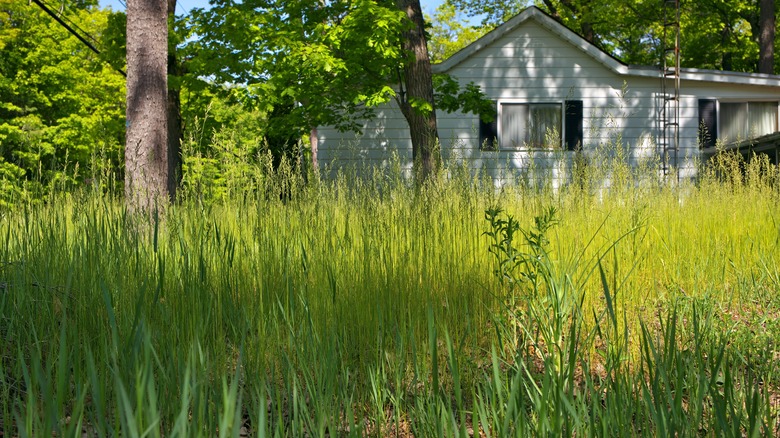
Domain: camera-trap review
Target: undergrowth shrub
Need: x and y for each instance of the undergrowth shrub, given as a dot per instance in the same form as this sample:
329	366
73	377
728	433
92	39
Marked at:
732	169
686	378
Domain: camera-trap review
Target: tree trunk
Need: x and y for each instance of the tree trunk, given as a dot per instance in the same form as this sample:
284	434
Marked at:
314	141
727	57
174	115
580	10
146	151
417	77
766	37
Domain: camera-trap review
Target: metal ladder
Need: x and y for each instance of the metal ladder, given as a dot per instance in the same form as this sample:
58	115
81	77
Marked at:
669	117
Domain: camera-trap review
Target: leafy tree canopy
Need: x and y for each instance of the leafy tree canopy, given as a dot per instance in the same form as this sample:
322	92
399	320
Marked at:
448	33
321	62
329	62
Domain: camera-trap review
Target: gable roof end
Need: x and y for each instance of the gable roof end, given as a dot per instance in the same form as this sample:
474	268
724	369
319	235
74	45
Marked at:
612	63
537	15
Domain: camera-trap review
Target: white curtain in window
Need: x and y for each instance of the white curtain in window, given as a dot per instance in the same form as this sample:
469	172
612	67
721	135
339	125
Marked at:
762	118
514	125
545	126
733	122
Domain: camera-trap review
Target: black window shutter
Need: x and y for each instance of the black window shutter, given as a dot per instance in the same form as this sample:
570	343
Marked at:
573	135
488	135
708	122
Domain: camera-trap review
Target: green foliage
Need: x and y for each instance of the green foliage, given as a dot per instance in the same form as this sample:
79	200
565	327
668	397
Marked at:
741	172
114	40
451	97
61	105
448	34
719	35
324	62
357	306
311	65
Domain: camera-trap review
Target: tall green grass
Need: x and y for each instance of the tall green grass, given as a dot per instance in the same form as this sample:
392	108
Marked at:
373	307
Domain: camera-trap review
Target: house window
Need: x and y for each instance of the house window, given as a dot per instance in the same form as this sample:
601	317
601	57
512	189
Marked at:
735	121
533	126
745	120
530	125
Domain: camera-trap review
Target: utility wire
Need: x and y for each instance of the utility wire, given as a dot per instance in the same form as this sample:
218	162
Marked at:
72	23
73	32
181	7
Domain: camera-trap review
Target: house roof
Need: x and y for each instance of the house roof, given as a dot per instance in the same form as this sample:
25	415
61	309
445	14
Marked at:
535	14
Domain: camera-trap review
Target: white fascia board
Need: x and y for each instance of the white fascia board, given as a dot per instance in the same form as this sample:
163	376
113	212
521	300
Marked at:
730	77
701	75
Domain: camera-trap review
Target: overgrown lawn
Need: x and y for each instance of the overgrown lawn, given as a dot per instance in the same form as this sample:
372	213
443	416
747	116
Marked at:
374	307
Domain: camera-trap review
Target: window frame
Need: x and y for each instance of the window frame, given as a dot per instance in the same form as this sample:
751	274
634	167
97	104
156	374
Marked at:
747	102
571	125
561	104
708	140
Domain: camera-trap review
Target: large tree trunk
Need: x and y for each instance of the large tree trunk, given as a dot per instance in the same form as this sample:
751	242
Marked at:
580	10
174	115
727	57
417	77
314	141
766	37
146	151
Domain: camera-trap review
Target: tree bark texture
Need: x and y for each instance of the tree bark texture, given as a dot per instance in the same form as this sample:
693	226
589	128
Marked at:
314	141
174	115
146	150
418	80
766	37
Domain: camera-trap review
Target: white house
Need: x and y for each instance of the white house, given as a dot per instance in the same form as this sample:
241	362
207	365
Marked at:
555	92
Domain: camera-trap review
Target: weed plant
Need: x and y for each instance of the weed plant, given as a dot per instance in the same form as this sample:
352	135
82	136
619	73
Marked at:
285	306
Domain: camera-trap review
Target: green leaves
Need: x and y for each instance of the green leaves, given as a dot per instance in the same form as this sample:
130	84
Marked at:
450	97
422	106
60	102
328	62
448	33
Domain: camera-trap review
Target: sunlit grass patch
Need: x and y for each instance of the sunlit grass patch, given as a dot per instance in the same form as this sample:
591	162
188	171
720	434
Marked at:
373	306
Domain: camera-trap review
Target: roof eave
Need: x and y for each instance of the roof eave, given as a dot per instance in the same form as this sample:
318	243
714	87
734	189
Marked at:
701	75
